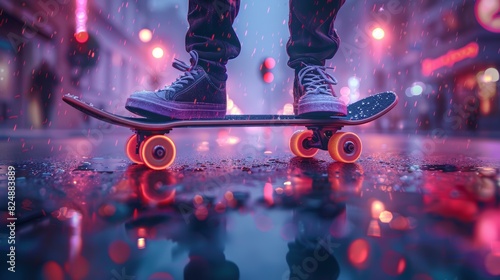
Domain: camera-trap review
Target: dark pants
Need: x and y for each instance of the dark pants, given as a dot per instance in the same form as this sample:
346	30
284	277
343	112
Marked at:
312	36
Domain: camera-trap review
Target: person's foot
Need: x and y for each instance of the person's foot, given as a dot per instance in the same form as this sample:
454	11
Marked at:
314	95
194	95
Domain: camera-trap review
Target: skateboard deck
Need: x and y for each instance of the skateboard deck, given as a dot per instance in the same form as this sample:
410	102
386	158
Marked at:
321	133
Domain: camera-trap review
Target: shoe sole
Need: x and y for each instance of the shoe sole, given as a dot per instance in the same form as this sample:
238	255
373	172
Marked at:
152	107
321	109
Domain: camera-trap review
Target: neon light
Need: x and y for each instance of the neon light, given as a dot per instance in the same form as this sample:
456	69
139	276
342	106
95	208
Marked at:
81	16
450	58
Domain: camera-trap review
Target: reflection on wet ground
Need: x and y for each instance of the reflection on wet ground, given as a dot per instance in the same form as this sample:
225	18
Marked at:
392	215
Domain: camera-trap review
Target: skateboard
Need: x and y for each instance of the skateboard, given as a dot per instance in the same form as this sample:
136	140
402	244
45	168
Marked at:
150	146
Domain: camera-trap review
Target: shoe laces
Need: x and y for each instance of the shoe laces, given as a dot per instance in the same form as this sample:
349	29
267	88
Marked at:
189	72
315	79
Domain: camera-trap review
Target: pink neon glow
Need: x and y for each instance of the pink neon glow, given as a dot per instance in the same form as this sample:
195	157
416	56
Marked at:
81	16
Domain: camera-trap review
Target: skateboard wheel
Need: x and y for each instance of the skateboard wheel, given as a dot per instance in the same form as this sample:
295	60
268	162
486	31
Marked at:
130	149
297	144
157	187
157	152
344	147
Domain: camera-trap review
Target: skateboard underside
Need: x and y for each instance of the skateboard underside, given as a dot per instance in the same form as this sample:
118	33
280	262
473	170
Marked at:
149	145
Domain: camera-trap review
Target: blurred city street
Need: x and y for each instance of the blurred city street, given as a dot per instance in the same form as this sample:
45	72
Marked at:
416	206
422	202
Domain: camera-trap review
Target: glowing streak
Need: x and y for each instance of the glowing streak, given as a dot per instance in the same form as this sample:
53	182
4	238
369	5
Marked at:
449	59
81	16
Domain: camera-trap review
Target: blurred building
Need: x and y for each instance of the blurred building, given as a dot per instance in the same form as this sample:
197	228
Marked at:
441	57
103	66
373	47
450	65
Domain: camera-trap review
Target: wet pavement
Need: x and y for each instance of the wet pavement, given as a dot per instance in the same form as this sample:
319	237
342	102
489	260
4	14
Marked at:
236	204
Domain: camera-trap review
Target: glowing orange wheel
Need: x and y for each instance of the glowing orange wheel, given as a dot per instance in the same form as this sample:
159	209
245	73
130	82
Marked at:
297	144
130	149
157	152
345	147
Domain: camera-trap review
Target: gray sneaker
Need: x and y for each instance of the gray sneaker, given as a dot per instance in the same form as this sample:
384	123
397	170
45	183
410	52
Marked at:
194	95
314	96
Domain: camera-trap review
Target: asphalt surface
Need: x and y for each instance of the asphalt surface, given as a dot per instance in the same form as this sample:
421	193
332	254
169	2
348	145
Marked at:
236	204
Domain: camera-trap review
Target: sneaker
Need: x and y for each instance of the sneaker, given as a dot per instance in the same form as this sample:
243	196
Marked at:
313	94
194	95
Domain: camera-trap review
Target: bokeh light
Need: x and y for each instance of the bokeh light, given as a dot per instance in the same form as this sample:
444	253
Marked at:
145	35
377	207
358	252
198	199
492	264
288	109
53	271
158	52
416	90
385	217
141	243
119	251
268	77
491	75
378	33
201	213
269	63
353	83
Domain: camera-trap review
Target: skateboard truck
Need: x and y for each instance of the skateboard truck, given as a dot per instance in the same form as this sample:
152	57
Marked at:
320	137
142	134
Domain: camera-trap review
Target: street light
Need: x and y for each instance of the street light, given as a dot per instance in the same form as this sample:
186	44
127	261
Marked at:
145	35
378	33
157	52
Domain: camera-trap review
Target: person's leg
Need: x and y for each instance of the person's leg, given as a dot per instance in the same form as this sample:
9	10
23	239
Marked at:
312	35
312	41
211	34
201	91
